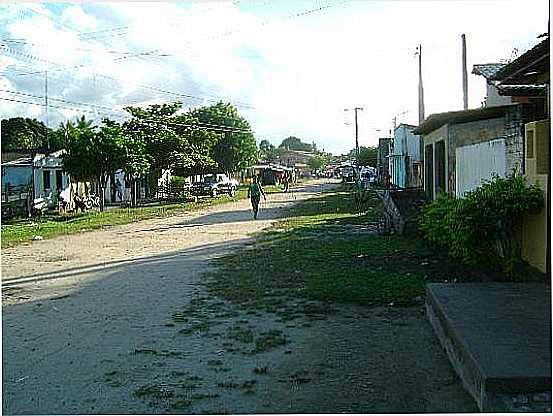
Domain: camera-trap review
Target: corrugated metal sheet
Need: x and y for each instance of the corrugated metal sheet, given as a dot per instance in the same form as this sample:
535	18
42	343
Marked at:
478	162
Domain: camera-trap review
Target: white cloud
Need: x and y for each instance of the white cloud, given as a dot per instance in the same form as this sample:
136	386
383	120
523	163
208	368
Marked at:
298	72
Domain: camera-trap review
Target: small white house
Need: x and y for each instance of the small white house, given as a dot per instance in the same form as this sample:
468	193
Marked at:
49	179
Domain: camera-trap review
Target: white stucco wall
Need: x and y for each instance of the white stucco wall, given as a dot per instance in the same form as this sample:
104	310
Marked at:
478	162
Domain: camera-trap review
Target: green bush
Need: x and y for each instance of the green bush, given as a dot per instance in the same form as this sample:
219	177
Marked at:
484	226
177	181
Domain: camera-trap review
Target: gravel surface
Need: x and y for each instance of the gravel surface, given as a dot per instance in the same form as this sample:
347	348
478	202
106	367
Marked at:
119	321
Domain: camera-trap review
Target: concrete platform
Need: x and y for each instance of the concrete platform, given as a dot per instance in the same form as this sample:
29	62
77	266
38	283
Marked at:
497	337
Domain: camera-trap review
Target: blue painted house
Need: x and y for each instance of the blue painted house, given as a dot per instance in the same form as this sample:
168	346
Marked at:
405	158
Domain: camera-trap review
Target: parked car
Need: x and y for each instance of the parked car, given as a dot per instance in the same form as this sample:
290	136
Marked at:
214	185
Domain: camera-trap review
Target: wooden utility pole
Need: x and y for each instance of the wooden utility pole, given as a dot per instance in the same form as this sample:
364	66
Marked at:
356	109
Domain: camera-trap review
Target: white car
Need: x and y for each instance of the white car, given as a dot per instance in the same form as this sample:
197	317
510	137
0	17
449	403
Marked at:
215	184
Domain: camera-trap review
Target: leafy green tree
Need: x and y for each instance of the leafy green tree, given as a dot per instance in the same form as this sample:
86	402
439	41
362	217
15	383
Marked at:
163	138
200	144
293	143
158	145
236	148
94	154
367	156
80	143
317	162
20	133
267	151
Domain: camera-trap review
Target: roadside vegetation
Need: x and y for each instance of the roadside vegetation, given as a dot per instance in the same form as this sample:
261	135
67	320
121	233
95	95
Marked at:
325	251
484	226
23	230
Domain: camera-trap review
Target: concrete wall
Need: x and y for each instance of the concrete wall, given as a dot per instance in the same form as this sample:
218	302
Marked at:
507	128
478	162
430	139
16	176
535	238
493	98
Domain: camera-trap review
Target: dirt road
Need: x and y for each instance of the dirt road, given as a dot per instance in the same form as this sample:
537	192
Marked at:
118	321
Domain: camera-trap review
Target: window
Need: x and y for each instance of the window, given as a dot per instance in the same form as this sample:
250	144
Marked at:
46	179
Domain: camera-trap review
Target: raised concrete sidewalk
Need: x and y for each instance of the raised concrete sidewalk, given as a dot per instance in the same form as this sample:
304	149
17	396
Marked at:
498	339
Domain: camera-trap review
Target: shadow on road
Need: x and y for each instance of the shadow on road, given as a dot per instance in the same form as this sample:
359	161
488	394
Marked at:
203	251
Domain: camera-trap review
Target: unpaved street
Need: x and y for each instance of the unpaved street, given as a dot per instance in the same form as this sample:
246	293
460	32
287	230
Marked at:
119	321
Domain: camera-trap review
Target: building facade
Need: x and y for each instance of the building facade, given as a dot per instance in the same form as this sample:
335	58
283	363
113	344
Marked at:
405	159
464	148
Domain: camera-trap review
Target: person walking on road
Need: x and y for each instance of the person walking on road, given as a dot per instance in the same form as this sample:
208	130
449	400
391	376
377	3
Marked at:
254	193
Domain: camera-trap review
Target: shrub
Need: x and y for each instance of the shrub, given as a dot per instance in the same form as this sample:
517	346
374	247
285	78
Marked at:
436	219
177	181
484	226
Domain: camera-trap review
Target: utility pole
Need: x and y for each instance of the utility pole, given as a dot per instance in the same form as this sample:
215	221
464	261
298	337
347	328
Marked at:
421	89
465	77
356	109
46	107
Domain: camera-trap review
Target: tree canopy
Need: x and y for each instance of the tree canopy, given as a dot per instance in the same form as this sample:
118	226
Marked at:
367	156
93	154
20	133
267	151
236	148
317	162
294	143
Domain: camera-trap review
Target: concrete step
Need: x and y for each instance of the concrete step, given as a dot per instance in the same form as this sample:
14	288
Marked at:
497	337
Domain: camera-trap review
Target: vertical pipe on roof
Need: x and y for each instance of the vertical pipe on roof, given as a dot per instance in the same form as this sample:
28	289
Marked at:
465	76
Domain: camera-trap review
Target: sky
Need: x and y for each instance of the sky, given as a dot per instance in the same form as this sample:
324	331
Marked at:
290	67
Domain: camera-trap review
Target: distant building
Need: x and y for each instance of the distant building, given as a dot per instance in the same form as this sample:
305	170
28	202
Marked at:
492	94
31	177
382	164
405	159
464	148
292	157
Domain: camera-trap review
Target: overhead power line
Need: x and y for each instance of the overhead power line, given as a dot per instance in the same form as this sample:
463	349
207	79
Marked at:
144	86
62	107
107	110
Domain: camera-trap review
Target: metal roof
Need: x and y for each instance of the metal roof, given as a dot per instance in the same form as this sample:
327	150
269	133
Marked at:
527	67
23	161
522	90
435	121
486	70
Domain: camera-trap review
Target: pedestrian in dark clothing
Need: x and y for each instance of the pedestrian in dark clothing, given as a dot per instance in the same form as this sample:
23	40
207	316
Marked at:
254	193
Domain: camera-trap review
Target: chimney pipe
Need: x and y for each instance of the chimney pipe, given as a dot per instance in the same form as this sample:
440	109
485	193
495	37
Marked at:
465	78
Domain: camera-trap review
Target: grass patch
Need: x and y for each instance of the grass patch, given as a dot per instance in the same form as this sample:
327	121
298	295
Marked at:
319	252
269	340
17	231
241	334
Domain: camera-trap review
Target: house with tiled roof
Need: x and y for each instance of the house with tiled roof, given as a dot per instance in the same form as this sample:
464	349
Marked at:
493	98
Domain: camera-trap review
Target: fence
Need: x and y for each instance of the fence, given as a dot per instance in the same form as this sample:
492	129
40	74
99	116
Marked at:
16	200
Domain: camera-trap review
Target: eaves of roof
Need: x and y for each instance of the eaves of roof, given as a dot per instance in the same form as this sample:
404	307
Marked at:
522	90
435	121
487	70
538	53
24	161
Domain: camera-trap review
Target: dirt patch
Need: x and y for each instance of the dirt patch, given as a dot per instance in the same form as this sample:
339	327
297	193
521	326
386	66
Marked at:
133	329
